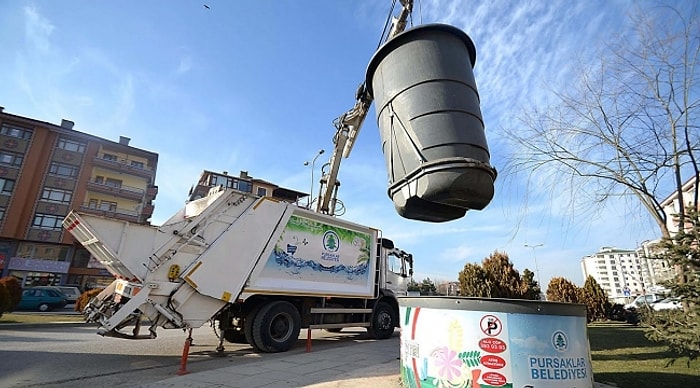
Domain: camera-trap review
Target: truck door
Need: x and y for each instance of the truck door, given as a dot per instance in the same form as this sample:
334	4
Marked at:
397	271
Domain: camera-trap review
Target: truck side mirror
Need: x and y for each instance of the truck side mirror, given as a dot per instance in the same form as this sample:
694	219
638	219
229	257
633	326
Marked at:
386	243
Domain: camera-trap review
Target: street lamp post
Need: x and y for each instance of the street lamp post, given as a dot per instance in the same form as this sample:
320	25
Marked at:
537	269
311	193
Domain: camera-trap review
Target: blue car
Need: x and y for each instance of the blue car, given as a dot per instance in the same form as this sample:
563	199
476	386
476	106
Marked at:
43	298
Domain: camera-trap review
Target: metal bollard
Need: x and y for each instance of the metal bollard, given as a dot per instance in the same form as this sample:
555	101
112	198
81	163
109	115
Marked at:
185	353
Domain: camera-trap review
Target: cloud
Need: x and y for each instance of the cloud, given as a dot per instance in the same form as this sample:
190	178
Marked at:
37	30
458	254
184	66
124	104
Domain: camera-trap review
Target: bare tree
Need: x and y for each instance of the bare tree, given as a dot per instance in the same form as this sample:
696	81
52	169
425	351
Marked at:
630	127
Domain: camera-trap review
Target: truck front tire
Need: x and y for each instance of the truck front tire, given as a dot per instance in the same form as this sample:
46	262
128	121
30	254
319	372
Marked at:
384	320
276	327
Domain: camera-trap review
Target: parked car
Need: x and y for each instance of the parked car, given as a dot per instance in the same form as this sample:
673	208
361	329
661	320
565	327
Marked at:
42	298
641	300
72	293
667	304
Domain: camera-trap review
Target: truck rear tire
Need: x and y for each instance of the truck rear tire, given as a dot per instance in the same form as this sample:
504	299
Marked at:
276	327
248	322
384	320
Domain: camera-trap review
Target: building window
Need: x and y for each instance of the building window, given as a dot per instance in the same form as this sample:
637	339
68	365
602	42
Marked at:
137	164
262	191
11	158
92	204
2	213
47	221
110	157
6	186
11	130
108	206
113	182
226	181
245	186
56	195
71	145
64	170
42	251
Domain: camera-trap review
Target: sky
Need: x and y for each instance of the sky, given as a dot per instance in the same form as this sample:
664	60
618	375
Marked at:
255	85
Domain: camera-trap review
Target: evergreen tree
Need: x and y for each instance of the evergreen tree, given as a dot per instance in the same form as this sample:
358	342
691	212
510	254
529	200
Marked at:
597	303
529	287
562	290
413	286
473	281
505	279
680	329
496	278
427	287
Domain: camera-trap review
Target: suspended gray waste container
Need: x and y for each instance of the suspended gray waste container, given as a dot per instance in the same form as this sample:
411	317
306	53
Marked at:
430	122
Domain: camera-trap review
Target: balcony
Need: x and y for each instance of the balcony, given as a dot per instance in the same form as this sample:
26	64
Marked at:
128	192
123	167
151	193
148	210
119	214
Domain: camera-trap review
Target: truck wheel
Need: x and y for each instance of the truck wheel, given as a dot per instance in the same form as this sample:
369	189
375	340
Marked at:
44	307
276	327
383	321
248	322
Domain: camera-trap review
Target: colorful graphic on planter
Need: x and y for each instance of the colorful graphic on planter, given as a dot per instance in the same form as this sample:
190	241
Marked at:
476	349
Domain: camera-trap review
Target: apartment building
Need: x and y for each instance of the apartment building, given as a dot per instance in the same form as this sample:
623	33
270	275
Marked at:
47	170
617	271
448	288
243	182
624	274
671	204
657	271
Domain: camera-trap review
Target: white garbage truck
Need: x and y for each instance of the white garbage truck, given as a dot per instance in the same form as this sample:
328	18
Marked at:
258	268
264	269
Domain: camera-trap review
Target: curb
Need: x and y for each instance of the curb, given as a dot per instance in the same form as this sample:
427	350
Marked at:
40	324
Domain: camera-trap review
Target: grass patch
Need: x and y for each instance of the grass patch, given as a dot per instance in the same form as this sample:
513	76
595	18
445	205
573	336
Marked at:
39	318
623	356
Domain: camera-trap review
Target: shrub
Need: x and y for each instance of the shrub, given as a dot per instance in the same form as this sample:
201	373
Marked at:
84	299
5	301
14	289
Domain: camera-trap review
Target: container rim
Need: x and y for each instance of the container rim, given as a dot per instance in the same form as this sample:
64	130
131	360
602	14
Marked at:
516	306
401	38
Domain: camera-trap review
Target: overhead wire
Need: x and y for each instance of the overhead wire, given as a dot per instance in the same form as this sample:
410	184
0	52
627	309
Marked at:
387	23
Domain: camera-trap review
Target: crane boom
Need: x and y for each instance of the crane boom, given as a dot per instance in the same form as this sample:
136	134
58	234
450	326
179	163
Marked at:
348	127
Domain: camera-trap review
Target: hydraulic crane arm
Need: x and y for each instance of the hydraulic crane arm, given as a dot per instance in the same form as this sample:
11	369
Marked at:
348	126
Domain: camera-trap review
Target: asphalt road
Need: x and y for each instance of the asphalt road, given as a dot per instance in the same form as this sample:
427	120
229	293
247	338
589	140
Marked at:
72	355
